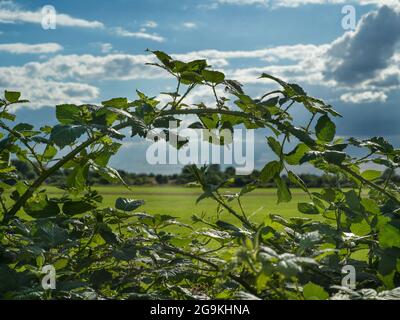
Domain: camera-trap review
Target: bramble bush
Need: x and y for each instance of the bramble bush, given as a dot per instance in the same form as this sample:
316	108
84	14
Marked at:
123	253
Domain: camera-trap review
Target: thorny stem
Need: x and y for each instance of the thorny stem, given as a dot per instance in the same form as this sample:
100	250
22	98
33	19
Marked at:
310	122
24	141
369	183
237	279
176	94
233	212
190	88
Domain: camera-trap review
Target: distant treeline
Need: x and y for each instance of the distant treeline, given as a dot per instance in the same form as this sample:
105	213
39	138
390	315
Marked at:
214	175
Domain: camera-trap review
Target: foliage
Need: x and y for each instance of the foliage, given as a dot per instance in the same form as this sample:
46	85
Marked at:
123	253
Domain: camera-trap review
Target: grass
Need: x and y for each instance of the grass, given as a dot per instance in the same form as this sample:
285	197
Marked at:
180	202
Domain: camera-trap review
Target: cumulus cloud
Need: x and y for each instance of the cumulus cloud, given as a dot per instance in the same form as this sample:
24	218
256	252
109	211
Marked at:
49	93
24	48
361	66
364	97
86	67
360	55
64	77
12	13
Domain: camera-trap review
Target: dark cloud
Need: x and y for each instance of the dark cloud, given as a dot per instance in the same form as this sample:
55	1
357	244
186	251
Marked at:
369	119
358	56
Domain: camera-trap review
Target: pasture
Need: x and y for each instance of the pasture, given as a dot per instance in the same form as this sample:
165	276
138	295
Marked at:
180	202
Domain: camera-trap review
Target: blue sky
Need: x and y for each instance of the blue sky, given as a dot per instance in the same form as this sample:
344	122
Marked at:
97	52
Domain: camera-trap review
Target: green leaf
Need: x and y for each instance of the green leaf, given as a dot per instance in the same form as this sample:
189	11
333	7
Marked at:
49	152
68	114
6	115
189	77
163	57
125	253
352	200
284	194
99	277
110	174
325	129
389	236
270	171
21	127
275	146
371	174
125	204
119	103
301	134
227	226
210	121
360	229
77	207
197	65
77	178
388	261
370	206
50	233
293	158
107	234
213	76
334	157
38	206
307	208
12	96
312	291
295	179
63	135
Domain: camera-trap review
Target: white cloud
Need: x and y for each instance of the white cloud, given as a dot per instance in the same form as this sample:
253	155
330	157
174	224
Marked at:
12	13
305	64
24	48
65	77
219	58
106	47
364	97
297	3
49	93
141	34
189	25
244	2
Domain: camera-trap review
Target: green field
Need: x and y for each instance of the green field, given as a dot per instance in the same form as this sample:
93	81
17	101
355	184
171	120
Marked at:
180	202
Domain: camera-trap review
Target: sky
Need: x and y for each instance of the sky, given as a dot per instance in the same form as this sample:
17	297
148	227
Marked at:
97	52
